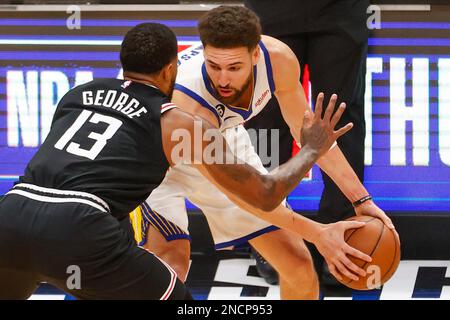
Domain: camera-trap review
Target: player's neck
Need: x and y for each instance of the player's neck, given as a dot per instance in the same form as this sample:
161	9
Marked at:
147	80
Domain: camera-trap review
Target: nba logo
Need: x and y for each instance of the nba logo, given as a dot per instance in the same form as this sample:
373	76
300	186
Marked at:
126	84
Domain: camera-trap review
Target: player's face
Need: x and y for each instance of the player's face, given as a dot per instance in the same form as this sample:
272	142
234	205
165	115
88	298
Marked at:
230	71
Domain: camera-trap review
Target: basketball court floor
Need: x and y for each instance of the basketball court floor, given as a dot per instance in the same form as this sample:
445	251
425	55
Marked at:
233	276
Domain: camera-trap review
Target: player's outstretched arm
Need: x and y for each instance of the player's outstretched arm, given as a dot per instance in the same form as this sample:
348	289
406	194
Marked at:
189	139
293	103
258	193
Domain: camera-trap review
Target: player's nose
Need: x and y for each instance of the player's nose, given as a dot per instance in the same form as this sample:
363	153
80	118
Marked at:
223	80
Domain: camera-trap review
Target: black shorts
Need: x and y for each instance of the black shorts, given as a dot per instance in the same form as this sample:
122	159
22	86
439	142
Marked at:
70	240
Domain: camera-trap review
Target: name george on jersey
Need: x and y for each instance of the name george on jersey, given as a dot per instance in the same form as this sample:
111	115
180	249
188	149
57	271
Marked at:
112	99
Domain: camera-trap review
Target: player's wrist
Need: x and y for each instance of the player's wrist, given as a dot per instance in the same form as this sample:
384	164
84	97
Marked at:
310	151
332	146
365	200
314	232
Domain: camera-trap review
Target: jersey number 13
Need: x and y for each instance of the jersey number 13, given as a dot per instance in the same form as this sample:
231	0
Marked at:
101	138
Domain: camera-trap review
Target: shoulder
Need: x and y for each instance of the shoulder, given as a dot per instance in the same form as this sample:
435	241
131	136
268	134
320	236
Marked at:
285	65
176	118
279	52
182	130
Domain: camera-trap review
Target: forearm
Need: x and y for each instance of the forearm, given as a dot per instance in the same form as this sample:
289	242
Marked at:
287	219
264	191
281	217
287	176
339	170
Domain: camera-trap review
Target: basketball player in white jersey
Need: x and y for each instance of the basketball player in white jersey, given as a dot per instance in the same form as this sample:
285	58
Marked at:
227	82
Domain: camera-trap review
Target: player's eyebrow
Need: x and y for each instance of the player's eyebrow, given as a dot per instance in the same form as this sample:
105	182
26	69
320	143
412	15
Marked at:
235	63
228	65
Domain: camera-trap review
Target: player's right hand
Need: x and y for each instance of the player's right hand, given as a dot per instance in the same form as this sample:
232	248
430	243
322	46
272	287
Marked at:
332	246
318	133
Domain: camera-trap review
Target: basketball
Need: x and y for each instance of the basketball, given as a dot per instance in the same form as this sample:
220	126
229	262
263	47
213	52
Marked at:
379	242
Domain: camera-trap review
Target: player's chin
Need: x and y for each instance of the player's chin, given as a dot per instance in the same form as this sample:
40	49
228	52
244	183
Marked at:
229	99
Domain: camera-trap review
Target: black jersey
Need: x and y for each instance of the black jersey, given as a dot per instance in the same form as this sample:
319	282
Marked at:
105	139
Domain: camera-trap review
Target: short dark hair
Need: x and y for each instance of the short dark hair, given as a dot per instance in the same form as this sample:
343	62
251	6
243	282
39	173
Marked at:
230	27
147	48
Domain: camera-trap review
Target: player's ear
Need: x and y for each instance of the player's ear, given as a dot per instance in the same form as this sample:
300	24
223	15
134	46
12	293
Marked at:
255	55
169	71
166	72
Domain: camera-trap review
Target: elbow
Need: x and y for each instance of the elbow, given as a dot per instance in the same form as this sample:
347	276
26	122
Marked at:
269	205
264	204
269	200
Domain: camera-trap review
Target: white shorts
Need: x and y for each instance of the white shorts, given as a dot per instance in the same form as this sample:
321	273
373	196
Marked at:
230	225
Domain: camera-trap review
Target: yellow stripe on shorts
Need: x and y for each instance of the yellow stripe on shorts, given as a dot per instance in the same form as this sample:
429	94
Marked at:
136	222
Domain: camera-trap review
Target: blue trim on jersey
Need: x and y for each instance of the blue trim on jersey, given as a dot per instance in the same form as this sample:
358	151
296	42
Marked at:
239	241
268	66
206	81
151	217
169	230
178	237
199	99
244	113
169	238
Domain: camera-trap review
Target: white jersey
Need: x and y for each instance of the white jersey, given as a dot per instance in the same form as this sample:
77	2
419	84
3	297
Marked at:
229	224
193	81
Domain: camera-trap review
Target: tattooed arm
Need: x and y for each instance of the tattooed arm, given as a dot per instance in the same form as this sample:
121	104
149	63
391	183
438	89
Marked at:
261	194
262	191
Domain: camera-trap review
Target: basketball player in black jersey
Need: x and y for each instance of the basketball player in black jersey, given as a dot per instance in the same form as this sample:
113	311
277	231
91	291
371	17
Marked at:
109	146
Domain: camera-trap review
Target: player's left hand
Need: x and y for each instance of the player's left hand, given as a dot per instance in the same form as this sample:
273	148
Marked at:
369	208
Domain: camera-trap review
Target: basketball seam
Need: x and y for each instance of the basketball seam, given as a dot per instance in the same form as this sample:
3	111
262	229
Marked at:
350	235
354	230
375	247
392	263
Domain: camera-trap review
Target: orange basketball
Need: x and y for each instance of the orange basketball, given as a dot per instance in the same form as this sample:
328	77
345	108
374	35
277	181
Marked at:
378	241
